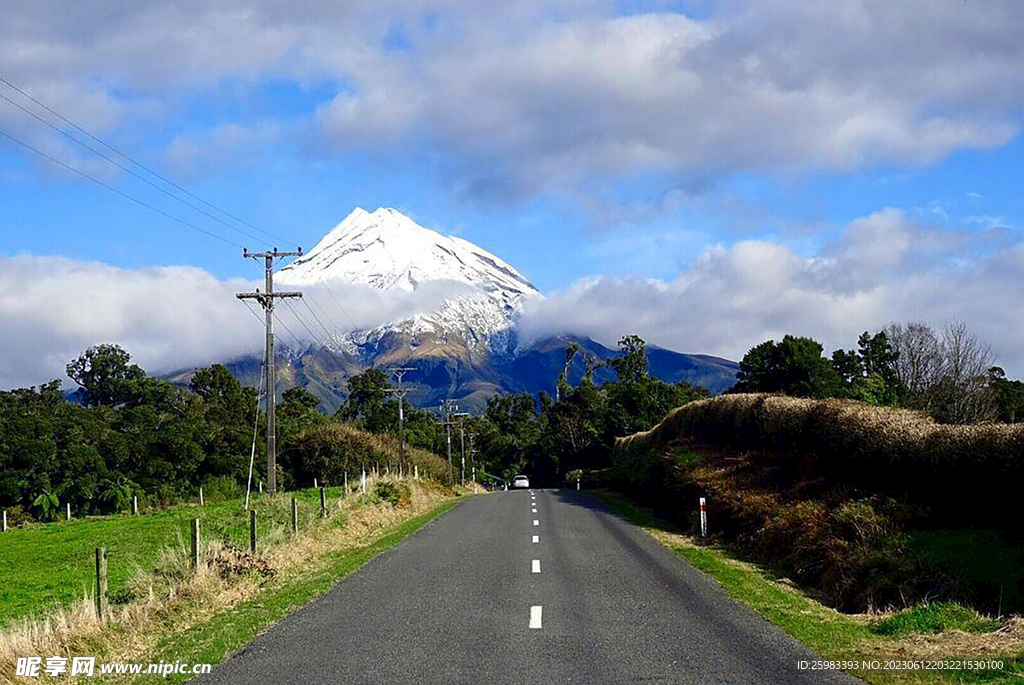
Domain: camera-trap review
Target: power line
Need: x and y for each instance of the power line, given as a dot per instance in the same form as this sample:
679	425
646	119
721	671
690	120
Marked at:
112	189
136	162
317	318
298	342
331	293
327	315
308	329
253	312
129	171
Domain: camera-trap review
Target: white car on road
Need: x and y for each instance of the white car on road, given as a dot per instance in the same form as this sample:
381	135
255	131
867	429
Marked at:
520	482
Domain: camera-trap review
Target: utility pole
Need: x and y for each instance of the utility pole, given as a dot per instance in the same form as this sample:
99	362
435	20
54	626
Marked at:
462	442
400	393
448	409
266	299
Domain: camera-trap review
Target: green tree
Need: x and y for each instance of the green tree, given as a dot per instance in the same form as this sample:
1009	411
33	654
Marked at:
106	375
631	364
794	366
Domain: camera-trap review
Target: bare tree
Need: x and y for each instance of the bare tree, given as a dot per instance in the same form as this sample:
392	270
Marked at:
919	365
945	373
964	391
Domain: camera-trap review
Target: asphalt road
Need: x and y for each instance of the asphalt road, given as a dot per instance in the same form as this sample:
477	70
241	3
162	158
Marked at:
457	603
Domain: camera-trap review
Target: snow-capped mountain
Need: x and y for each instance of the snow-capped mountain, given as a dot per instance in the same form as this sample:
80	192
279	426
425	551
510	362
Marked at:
465	348
389	251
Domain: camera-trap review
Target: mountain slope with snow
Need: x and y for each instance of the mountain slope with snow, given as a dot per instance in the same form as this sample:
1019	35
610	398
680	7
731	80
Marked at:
466	348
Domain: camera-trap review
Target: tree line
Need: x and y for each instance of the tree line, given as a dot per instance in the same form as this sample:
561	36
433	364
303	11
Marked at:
948	373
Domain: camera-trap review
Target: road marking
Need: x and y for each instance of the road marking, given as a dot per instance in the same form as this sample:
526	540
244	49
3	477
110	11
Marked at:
535	617
534	511
536	539
536	522
536	565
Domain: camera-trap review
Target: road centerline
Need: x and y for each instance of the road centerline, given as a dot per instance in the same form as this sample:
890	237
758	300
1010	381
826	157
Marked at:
536	616
536	566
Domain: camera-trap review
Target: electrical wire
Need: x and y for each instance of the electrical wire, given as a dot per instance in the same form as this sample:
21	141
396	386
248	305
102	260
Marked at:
298	342
131	172
136	162
112	189
317	318
299	319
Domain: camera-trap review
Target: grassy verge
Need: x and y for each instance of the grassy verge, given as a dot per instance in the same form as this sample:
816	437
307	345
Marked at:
49	566
212	640
169	612
925	632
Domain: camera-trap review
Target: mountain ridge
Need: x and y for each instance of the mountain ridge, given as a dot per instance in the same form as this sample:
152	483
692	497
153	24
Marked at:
468	348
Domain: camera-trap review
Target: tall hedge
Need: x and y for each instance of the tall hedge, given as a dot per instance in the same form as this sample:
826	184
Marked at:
972	473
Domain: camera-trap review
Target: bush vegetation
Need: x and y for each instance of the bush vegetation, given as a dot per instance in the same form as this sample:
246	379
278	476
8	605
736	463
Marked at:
832	492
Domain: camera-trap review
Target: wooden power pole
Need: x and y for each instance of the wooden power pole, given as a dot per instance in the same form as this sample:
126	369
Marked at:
400	393
266	299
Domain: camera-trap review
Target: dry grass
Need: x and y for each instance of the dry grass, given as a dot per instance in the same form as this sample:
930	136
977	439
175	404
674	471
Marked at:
171	596
896	452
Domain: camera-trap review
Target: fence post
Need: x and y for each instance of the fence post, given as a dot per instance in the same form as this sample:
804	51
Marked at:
201	502
252	531
416	471
362	482
323	502
68	504
5	520
261	486
295	516
195	544
135	505
101	583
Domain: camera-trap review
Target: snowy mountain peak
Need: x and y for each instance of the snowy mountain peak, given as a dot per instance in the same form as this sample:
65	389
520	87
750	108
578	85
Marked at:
389	251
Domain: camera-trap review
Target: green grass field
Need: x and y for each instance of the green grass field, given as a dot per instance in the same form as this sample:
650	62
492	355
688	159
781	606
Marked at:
45	566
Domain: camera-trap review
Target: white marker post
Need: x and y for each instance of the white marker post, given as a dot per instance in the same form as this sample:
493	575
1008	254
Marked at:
577	483
135	505
416	471
69	511
703	518
315	484
362	482
5	520
201	500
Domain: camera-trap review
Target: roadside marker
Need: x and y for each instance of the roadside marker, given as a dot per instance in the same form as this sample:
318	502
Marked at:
535	617
536	522
536	566
703	518
536	539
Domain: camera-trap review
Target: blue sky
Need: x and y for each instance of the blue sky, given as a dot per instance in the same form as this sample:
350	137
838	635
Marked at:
654	149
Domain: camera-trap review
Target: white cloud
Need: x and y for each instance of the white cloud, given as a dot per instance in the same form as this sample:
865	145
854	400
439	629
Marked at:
884	267
168	318
532	96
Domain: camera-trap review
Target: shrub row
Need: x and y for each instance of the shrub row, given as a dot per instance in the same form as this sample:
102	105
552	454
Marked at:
970	472
327	452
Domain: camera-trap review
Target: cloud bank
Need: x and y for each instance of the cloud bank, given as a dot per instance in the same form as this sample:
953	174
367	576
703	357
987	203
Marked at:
524	97
884	267
168	318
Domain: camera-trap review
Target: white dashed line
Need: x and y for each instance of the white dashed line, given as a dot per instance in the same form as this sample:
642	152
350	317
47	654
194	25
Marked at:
536	522
536	565
535	617
536	539
534	511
